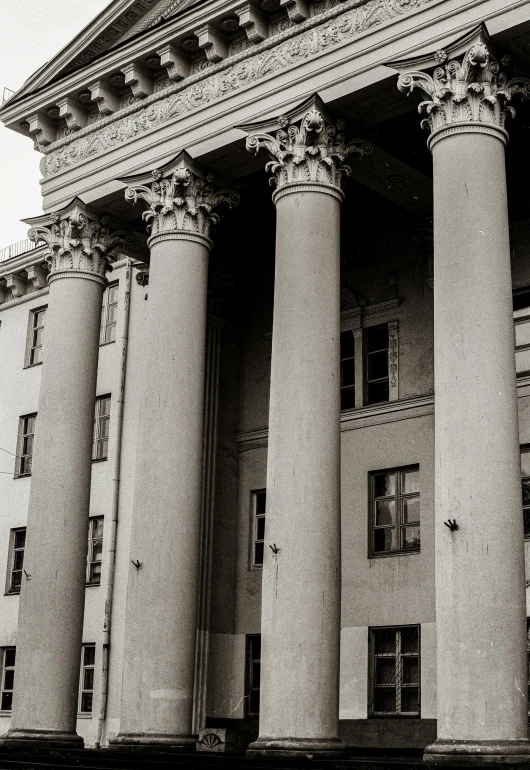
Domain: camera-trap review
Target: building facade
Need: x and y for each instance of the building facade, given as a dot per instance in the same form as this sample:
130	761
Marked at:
228	506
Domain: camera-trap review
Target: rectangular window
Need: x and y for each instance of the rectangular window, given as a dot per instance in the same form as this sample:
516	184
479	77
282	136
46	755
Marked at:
525	483
35	336
95	547
26	433
395	510
17	544
109	314
259	501
395	671
521	318
8	678
347	370
253	673
101	428
86	680
376	362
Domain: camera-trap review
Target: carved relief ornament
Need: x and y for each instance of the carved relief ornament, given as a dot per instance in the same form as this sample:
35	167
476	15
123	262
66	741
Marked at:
469	89
305	147
182	199
79	242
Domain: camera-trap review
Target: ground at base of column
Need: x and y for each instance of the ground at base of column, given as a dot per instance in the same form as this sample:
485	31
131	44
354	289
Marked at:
35	739
153	742
307	748
478	753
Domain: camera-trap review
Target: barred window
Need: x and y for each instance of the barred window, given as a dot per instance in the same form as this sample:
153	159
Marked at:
17	545
100	446
8	678
95	548
259	501
395	671
395	510
86	683
253	673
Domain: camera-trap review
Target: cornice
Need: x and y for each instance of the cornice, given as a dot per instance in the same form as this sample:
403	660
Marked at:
318	34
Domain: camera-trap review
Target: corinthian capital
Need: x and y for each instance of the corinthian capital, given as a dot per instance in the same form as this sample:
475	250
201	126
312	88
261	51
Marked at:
181	198
467	87
79	242
305	146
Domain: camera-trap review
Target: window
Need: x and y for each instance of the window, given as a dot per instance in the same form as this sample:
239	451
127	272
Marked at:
8	678
259	500
395	510
26	433
521	317
395	671
101	428
376	380
525	483
35	336
95	547
253	673
86	680
368	363
109	313
17	544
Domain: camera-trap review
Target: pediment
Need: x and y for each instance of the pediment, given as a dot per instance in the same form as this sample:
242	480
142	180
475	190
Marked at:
118	22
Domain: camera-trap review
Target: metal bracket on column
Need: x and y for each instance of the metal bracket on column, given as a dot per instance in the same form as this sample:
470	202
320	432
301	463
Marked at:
452	525
137	564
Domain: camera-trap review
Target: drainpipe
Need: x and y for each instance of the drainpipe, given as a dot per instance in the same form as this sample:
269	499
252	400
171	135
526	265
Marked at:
111	565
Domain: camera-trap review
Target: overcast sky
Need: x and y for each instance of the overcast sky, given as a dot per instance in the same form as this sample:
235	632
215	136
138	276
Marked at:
31	33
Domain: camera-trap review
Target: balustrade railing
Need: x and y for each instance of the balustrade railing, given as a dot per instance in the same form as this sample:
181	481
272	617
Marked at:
16	249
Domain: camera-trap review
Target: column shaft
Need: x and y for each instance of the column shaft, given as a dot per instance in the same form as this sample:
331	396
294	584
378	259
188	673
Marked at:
161	619
53	590
301	576
480	597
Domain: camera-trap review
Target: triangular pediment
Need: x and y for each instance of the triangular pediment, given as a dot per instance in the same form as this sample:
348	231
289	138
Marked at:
118	22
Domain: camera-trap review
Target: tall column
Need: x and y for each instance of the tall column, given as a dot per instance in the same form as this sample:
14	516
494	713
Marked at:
162	593
301	571
479	570
52	598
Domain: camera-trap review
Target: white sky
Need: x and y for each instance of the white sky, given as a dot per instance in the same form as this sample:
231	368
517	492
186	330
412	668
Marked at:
31	33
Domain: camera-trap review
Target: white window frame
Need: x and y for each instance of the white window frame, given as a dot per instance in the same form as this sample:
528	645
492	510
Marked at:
91	561
99	420
32	329
22	453
10	589
105	314
398	673
82	689
255	518
3	688
399	496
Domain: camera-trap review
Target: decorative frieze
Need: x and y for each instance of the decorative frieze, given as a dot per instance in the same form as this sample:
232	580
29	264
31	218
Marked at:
78	241
305	147
469	89
181	197
279	52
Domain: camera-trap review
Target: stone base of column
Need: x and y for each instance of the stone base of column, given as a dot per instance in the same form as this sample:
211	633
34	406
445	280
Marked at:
452	752
154	742
34	739
297	747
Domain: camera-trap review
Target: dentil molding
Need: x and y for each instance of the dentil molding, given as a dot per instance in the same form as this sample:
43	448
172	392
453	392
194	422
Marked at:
282	51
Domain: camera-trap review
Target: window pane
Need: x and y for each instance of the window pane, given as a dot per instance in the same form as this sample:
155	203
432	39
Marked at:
104	427
347	345
110	333
347	398
410	670
377	365
411	537
377	338
20	538
89	656
7	701
385	670
97	528
88	679
260	528
95	573
522	360
385	641
385	700
385	512
526	491
384	484
347	373
86	702
384	540
377	392
256	673
522	333
9	678
409	640
113	293
526	515
525	463
410	509
409	700
25	465
16	581
18	560
29	426
9	657
260	502
254	702
258	553
255	647
410	481
102	449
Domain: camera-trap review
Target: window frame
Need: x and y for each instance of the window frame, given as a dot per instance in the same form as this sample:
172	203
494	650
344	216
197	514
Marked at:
398	497
254	518
84	690
524	449
30	347
92	523
21	444
97	439
104	325
10	590
3	670
250	660
521	316
399	667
